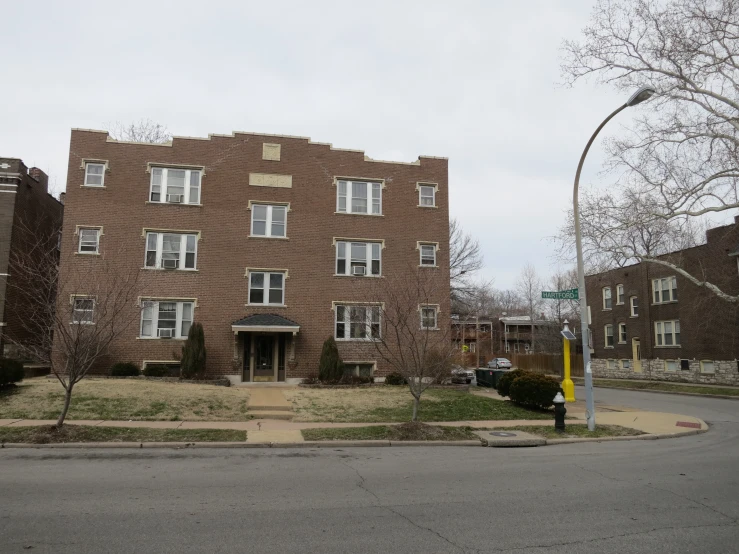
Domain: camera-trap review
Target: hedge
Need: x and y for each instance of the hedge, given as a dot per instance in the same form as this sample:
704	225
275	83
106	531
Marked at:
124	369
534	391
504	383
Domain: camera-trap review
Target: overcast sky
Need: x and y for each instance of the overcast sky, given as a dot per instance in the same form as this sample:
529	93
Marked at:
476	82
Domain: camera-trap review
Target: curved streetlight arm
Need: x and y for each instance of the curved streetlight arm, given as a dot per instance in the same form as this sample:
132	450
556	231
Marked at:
589	404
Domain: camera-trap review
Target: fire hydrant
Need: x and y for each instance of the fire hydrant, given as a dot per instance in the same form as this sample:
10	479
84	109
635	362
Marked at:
559	412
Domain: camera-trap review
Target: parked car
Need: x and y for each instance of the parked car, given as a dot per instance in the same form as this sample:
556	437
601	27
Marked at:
461	375
499	363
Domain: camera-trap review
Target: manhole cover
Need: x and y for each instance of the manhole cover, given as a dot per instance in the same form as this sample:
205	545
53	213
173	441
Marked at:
502	434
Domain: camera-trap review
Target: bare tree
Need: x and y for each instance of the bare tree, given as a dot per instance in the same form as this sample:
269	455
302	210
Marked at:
680	160
71	317
144	130
409	333
561	310
529	288
465	259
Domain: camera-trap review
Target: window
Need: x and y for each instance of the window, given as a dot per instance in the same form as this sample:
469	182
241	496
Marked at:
171	251
670	365
358	258
619	294
427	195
266	288
166	319
175	186
429	317
622	333
94	175
607	302
359	197
667	333
428	254
89	241
359	369
707	366
634	306
611	364
609	336
83	310
268	221
665	290
626	364
357	322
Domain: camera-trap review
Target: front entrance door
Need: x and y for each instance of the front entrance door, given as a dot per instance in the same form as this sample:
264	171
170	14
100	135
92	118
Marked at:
636	352
264	357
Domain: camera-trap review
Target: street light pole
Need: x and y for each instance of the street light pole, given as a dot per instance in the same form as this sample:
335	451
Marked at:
639	96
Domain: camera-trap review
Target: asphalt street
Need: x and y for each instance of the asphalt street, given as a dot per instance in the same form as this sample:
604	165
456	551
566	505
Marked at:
668	496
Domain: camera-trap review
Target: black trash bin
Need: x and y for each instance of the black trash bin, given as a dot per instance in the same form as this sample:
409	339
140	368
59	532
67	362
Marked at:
485	377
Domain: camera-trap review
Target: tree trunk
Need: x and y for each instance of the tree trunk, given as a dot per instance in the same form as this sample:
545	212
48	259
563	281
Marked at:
416	402
67	400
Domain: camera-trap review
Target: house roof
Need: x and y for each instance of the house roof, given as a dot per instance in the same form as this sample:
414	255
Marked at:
265	322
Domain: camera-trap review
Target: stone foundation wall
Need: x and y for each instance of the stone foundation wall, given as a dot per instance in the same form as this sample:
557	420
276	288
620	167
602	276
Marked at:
725	372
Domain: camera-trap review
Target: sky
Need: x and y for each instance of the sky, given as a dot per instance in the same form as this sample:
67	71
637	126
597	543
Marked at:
477	82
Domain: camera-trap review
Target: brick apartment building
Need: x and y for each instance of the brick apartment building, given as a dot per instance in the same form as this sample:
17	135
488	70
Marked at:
28	213
649	322
268	241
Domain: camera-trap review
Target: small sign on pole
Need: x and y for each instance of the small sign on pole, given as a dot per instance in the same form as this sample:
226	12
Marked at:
571	294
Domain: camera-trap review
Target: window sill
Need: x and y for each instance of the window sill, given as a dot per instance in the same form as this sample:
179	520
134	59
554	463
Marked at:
93	187
434	329
162	338
170	270
82	323
429	266
359	213
668	346
609	347
266	305
266	237
359	276
358	340
87	253
433	207
607	310
619	342
662	303
633	317
619	303
173	204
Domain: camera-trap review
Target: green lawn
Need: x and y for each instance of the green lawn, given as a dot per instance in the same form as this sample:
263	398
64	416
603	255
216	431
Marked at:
83	433
404	432
572	431
666	387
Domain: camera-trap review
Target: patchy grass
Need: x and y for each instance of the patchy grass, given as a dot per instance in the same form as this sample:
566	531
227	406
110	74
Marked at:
403	432
125	399
666	387
573	431
47	434
395	404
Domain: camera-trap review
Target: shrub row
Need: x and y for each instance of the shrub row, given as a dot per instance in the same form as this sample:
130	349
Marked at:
531	390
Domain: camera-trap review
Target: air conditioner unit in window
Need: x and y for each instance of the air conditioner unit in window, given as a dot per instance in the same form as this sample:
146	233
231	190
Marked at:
358	270
165	333
174	198
170	264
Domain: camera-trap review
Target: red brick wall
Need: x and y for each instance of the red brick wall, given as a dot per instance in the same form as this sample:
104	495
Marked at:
225	251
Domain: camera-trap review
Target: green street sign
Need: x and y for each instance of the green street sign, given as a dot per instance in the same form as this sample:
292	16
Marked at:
572	294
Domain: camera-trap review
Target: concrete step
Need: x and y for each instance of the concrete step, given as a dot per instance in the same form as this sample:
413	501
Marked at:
270	414
270	408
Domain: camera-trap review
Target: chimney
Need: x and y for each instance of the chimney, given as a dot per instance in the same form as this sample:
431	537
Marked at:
40	177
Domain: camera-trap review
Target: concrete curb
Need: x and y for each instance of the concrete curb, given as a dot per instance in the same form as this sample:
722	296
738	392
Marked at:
724	396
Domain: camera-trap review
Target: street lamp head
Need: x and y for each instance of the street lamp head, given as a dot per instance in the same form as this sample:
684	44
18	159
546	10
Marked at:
644	93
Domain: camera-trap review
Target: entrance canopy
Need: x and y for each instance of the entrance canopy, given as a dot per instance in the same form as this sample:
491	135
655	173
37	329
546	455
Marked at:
265	323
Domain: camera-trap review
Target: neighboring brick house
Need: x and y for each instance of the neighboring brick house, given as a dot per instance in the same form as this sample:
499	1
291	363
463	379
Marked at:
28	214
649	322
269	241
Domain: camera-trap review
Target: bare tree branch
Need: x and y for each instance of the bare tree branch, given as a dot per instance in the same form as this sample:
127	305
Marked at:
144	130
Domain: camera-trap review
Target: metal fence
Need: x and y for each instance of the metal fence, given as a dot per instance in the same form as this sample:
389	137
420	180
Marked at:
550	364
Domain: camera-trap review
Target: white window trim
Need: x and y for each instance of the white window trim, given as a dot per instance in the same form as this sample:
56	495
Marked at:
349	188
631	306
155	317
625	341
658	281
673	333
434	187
419	244
163	186
610	297
372	363
436	309
348	257
73	299
266	288
78	232
88	163
611	363
620	293
605	336
160	247
625	363
677	365
268	224
347	320
713	365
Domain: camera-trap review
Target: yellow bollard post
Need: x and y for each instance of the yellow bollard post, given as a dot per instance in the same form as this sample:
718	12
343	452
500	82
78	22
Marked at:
567	385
